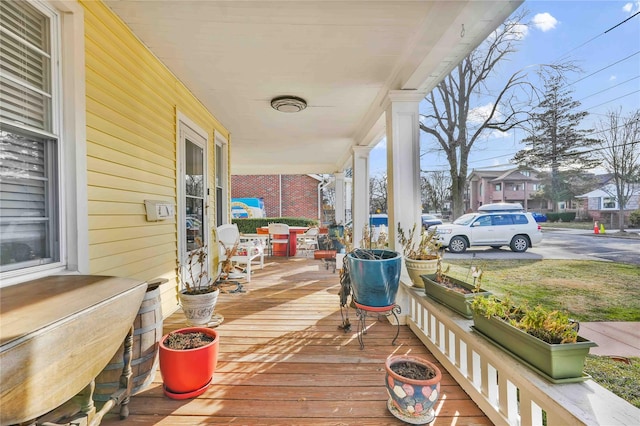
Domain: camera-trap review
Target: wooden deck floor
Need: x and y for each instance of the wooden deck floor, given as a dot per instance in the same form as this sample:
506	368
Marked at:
284	361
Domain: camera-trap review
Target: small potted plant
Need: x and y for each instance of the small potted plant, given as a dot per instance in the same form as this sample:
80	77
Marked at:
421	252
200	294
547	340
413	385
455	294
373	273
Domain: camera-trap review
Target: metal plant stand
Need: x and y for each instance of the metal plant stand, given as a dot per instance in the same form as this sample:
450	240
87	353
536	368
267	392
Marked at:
362	311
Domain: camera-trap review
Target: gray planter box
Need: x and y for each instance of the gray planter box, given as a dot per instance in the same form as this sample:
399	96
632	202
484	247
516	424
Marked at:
455	300
559	363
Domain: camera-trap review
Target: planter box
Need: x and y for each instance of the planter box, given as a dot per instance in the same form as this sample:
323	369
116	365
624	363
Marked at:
455	300
559	363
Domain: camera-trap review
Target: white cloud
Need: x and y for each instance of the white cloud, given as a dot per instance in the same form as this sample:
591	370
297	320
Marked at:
631	7
479	114
519	31
544	21
613	78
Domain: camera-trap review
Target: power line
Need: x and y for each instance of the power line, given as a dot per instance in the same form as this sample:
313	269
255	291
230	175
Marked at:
615	99
609	88
597	36
603	68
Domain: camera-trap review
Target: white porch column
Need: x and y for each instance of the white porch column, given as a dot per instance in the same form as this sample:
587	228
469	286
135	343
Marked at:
403	160
403	174
360	196
340	198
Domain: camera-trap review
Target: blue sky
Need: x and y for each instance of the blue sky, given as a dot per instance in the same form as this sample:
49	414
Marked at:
575	30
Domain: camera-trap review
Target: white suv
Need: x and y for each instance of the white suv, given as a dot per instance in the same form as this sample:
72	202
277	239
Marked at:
518	230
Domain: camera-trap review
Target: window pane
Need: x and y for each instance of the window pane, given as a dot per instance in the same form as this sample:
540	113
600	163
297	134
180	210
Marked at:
25	60
28	212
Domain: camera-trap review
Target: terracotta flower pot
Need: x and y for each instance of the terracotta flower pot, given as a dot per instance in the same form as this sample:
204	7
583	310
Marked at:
412	400
188	373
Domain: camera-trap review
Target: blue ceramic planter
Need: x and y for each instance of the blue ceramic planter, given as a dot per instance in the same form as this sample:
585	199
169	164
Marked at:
374	282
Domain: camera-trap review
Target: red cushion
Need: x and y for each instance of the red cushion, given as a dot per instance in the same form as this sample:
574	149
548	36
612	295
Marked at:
324	254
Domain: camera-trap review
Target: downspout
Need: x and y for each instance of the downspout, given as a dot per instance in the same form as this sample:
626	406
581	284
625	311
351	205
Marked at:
280	196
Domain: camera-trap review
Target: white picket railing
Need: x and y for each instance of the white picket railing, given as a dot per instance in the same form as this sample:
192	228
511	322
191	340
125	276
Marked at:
506	390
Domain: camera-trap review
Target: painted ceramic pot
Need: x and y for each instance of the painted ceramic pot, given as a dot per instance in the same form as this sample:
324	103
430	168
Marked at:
412	400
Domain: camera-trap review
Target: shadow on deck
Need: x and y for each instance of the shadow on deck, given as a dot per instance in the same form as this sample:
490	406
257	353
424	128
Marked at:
284	361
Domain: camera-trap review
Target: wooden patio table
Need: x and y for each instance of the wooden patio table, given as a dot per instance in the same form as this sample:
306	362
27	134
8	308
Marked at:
57	334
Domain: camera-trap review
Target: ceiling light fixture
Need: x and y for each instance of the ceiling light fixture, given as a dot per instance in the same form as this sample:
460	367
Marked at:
288	104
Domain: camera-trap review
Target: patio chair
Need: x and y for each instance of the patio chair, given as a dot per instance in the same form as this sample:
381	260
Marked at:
246	253
278	234
308	241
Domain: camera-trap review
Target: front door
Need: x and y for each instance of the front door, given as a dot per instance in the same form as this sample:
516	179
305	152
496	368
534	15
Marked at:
193	189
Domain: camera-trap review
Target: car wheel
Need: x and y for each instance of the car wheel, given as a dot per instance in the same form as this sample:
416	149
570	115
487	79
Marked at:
457	245
519	244
495	247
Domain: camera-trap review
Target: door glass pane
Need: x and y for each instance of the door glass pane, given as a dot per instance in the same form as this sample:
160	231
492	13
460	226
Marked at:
194	193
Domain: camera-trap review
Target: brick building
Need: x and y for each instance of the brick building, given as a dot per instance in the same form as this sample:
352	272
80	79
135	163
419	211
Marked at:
504	186
284	195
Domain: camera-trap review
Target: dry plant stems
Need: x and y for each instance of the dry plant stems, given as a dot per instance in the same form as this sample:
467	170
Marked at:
426	247
367	240
227	264
198	280
553	327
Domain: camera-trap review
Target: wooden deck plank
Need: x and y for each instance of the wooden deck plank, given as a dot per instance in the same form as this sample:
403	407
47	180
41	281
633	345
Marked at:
283	361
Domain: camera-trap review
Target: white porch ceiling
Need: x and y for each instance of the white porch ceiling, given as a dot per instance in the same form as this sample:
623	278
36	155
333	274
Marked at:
342	57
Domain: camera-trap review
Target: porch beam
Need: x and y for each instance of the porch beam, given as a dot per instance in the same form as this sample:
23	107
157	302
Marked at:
340	198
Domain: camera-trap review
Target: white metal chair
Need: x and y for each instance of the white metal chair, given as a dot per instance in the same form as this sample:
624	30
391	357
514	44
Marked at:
308	241
278	234
228	236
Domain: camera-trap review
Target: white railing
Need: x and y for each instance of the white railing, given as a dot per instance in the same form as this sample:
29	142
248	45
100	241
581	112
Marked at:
506	390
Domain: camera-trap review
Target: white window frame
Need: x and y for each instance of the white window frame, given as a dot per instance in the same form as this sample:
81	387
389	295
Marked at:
612	199
223	144
69	125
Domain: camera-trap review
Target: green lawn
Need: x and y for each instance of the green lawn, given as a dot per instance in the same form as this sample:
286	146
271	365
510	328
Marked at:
588	290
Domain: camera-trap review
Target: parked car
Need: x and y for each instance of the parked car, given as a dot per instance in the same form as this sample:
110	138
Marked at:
518	230
539	217
430	220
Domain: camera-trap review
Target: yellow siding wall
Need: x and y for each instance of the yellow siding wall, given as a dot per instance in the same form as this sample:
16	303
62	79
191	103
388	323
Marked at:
132	104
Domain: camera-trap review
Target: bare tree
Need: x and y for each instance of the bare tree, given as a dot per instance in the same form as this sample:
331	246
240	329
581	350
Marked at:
620	152
378	193
436	189
448	117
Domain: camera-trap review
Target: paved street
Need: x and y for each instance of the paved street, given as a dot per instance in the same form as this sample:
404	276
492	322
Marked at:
560	243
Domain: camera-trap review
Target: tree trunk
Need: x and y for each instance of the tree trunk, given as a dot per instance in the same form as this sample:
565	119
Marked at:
621	217
457	196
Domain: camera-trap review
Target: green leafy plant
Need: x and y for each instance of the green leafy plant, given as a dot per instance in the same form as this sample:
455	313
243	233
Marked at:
551	326
423	247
